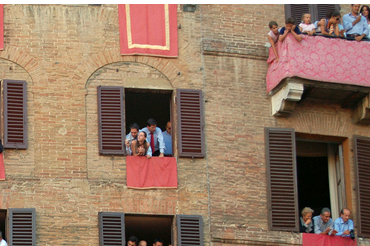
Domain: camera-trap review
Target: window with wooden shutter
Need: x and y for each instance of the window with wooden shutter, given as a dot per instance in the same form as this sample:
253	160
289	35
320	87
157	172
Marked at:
15	114
190	123
22	226
362	167
111	120
281	179
111	229
317	11
189	230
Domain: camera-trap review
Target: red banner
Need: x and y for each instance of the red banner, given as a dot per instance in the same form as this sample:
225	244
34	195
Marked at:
148	29
1	26
156	172
2	168
309	239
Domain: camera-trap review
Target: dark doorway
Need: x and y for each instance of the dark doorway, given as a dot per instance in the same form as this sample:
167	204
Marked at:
149	227
140	105
313	183
2	223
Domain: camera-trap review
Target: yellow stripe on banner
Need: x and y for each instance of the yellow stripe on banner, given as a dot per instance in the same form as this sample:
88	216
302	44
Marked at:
148	46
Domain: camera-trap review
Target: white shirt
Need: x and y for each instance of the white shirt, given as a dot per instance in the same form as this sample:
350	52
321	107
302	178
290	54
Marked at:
3	243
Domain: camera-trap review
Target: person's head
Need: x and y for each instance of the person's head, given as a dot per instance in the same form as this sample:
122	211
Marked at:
157	242
306	18
132	241
141	136
355	8
365	11
345	213
168	127
134	129
289	22
335	16
142	243
151	124
1	234
307	213
325	214
273	26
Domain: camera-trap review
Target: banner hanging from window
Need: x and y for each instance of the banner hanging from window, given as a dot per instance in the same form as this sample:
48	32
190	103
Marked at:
148	29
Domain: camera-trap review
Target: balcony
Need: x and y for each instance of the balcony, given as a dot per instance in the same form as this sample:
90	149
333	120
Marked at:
320	68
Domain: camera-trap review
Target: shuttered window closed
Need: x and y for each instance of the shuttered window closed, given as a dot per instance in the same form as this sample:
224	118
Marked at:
22	226
111	229
362	166
15	114
111	120
317	11
189	230
281	179
190	123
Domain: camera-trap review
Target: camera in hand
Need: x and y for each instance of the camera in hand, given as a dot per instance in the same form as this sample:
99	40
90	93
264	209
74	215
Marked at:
352	234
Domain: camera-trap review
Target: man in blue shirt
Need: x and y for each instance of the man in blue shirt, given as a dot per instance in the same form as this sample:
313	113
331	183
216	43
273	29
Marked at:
355	24
343	224
134	129
323	224
167	140
154	137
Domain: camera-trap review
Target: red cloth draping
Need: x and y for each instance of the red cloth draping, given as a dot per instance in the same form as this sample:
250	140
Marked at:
148	29
318	58
309	239
156	172
2	167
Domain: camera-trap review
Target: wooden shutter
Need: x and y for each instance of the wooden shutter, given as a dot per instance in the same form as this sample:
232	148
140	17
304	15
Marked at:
317	11
15	114
22	226
189	230
111	229
296	11
190	123
281	179
111	120
321	10
362	167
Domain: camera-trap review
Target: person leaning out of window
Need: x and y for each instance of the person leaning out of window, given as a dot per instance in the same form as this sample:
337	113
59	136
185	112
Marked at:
305	222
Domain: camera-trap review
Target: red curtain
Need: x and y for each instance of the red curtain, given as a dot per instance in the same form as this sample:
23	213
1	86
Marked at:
309	239
156	172
2	168
148	29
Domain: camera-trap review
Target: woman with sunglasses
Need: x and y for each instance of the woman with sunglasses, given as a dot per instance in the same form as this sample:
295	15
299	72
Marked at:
365	11
329	26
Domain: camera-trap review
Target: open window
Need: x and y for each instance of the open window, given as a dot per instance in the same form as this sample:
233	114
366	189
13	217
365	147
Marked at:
119	107
18	226
302	171
116	227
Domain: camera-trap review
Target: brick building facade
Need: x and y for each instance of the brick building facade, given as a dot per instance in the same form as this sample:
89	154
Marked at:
64	52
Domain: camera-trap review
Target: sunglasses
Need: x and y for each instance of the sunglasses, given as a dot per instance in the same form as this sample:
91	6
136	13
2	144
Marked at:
337	19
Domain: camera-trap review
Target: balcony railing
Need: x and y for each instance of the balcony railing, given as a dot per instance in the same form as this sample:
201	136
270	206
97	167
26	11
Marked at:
331	60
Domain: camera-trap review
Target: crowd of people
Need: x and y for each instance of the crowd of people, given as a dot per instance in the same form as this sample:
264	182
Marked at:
356	25
149	141
134	241
323	224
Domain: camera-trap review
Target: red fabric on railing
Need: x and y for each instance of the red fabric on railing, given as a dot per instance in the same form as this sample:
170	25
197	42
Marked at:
318	58
2	167
309	239
156	172
148	29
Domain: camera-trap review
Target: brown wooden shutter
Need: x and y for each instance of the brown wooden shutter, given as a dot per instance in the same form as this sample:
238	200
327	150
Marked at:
281	179
111	120
295	11
362	167
15	114
189	230
190	123
321	10
111	229
22	226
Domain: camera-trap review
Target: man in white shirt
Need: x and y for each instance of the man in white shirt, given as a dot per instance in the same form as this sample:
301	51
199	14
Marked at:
2	241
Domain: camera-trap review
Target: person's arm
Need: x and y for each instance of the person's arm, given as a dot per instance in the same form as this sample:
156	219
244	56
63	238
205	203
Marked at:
161	143
282	36
347	23
133	148
322	25
337	228
273	47
357	20
336	30
298	35
149	151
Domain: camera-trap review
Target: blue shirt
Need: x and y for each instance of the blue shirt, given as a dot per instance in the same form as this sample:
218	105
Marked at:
129	137
320	226
341	226
167	143
158	138
360	28
296	30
